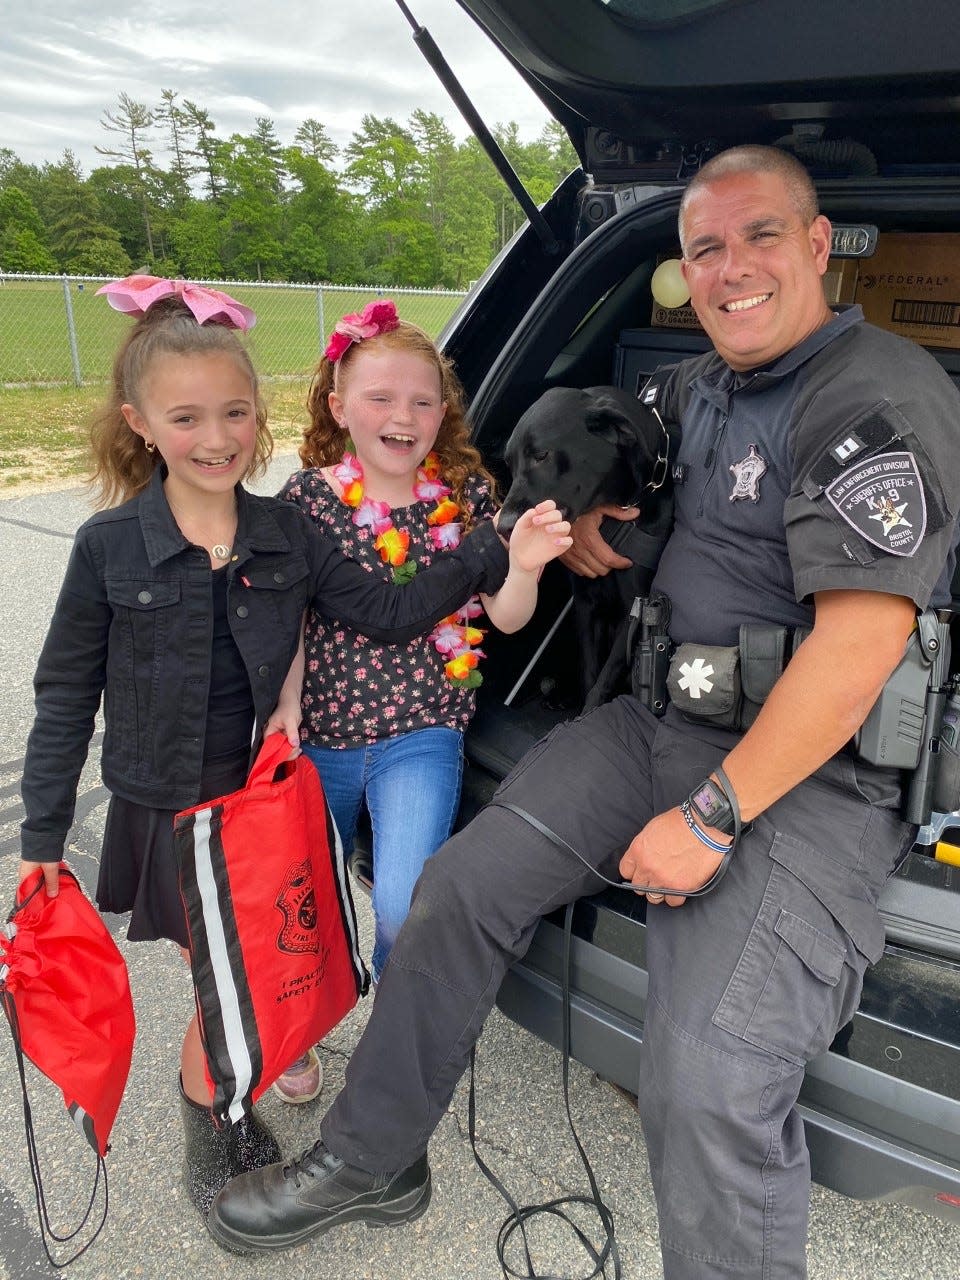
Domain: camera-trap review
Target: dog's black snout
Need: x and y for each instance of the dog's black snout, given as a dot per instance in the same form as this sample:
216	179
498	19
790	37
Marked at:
508	518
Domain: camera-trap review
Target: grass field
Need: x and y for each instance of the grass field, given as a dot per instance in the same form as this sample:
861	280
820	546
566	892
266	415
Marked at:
44	414
292	325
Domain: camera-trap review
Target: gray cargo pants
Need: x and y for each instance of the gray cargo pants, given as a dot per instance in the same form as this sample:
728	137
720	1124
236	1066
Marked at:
746	984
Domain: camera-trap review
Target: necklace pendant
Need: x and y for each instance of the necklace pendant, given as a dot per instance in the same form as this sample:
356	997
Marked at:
220	551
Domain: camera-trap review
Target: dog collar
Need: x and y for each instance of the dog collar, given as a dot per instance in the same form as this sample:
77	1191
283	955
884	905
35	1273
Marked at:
662	464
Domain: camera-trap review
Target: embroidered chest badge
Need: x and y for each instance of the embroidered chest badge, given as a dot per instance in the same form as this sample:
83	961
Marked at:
883	500
748	472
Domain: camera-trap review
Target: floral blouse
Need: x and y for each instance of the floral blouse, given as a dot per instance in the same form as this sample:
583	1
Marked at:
356	691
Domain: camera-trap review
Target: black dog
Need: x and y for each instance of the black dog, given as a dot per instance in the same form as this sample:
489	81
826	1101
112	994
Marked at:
590	447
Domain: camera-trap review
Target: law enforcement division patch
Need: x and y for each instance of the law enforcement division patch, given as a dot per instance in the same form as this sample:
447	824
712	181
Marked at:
882	498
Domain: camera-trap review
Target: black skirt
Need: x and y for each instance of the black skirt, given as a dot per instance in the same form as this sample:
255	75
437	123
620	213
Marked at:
138	863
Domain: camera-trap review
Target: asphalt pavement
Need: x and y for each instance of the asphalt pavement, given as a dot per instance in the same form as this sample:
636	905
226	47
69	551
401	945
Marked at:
152	1230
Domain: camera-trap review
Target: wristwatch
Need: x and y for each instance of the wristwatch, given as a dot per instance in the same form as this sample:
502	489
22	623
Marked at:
710	805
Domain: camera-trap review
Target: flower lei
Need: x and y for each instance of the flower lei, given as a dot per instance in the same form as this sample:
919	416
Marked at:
453	636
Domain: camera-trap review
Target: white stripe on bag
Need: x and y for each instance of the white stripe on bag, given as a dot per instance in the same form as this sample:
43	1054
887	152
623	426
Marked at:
347	901
236	1042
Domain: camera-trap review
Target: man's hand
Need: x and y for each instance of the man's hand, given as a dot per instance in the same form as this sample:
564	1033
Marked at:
51	875
667	853
590	556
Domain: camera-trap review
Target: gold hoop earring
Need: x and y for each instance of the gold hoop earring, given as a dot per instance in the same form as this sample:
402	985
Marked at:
149	446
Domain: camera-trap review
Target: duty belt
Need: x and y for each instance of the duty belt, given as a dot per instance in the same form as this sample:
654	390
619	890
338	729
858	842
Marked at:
726	685
723	685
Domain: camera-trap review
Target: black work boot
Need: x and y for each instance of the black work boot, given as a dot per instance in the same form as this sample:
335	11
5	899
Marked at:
285	1204
213	1156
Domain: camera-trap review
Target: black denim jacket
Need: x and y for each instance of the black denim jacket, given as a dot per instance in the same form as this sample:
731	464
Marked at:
134	623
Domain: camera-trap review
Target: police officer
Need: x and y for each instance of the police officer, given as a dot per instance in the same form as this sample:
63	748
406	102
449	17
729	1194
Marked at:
819	489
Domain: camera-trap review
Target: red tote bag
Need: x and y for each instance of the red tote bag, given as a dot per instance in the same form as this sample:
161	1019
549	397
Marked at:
273	933
64	990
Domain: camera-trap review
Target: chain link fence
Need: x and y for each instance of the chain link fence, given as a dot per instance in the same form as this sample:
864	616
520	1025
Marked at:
54	331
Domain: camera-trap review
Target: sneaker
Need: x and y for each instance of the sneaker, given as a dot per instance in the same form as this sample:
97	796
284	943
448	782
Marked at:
283	1205
302	1080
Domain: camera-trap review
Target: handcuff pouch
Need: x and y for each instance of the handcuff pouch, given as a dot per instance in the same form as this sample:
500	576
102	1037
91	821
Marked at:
762	657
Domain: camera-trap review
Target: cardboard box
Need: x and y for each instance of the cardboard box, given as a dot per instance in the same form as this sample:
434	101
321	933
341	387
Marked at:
674	317
840	280
839	285
911	286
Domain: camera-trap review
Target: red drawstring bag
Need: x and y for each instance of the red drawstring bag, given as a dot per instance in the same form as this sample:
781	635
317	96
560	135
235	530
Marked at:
273	934
65	992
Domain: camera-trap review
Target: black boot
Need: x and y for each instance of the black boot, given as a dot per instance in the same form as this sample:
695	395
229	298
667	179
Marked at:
284	1205
213	1156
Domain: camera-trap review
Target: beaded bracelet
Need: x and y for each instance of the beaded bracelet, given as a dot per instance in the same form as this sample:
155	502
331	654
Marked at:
702	835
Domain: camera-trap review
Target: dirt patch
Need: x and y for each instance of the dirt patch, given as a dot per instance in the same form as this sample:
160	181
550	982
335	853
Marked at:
44	471
44	433
23	488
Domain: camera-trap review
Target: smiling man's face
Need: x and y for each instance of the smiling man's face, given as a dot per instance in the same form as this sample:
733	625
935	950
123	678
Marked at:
753	268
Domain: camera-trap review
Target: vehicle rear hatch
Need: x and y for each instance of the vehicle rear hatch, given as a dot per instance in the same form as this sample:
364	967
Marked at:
641	83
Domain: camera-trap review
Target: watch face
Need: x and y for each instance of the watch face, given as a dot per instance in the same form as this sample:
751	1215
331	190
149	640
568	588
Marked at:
713	808
706	800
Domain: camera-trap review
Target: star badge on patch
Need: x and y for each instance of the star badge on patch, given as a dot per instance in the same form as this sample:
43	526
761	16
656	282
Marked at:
748	472
883	500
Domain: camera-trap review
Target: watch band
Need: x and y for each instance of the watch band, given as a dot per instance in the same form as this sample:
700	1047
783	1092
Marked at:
702	836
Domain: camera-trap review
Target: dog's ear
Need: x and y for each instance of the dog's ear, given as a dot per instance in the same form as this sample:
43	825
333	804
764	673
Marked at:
609	422
619	417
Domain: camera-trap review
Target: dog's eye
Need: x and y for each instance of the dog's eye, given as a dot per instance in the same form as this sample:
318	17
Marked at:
540	457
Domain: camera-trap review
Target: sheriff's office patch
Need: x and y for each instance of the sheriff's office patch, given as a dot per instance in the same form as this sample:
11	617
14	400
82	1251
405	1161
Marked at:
882	498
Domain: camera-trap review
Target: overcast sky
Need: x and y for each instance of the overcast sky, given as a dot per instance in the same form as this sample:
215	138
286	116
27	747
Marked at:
63	63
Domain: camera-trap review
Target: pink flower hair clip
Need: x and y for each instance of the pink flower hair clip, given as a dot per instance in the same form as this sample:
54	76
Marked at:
375	318
135	295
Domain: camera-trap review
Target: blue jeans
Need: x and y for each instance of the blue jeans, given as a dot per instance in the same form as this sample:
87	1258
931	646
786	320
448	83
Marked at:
412	788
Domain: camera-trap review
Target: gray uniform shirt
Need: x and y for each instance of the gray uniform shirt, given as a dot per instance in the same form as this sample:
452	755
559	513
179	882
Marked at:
835	467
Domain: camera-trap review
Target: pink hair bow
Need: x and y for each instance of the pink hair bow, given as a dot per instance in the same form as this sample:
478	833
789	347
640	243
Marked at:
375	318
135	295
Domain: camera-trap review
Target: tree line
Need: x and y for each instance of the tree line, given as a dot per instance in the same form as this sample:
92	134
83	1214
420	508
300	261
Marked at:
403	204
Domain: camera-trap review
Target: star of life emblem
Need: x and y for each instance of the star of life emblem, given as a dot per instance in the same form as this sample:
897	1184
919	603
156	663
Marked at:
748	472
882	498
695	677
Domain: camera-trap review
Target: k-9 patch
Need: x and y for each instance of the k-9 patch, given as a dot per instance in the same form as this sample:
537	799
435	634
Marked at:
882	498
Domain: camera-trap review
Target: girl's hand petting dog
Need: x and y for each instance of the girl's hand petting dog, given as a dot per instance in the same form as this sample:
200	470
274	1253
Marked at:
539	536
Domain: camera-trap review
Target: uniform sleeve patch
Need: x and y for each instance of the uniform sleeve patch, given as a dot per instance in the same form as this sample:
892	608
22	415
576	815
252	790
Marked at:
883	499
